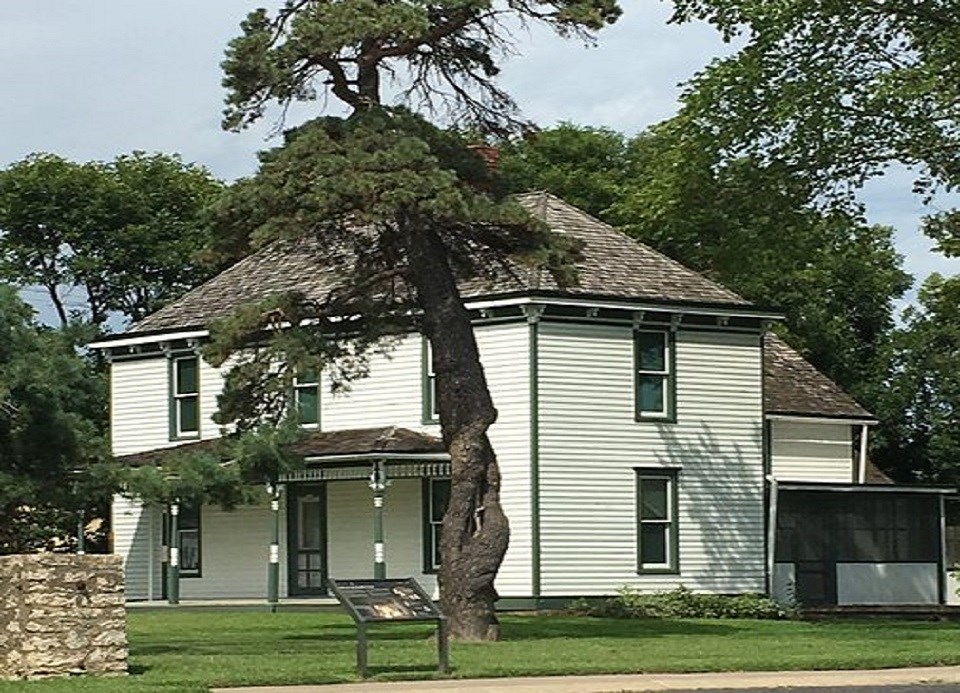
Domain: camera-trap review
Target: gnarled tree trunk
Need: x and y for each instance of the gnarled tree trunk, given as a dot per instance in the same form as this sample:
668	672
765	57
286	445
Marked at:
475	531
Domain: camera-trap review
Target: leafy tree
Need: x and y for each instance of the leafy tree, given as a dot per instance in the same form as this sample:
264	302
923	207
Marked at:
587	167
836	90
921	403
404	208
127	234
52	422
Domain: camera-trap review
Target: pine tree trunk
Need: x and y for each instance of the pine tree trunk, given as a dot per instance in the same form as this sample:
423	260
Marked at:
475	530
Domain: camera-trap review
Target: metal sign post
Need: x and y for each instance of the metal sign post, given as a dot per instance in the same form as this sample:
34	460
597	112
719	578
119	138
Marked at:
376	601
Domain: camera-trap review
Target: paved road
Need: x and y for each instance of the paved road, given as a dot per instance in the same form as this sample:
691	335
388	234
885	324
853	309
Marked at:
917	680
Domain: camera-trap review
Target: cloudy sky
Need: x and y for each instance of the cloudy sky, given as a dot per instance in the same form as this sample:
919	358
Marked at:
90	80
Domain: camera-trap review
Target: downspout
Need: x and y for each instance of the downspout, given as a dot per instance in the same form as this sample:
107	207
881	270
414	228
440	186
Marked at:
772	532
863	454
533	314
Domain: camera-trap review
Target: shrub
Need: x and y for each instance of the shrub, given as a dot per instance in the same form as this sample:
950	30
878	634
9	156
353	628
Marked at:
681	603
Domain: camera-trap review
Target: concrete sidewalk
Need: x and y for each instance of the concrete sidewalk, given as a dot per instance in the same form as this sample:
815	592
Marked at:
636	682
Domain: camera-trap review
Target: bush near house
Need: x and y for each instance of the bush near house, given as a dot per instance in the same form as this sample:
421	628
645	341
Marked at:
681	603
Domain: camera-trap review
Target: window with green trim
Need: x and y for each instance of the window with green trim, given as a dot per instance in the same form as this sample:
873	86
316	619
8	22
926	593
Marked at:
306	398
656	520
654	375
185	396
431	411
188	529
436	496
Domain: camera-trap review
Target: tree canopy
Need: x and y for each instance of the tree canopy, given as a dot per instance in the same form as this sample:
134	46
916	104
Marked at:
838	90
127	234
920	405
52	431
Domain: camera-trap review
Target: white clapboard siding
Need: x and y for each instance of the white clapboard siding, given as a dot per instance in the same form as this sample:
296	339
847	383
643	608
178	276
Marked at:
234	550
350	530
391	395
812	451
505	354
139	405
136	532
590	445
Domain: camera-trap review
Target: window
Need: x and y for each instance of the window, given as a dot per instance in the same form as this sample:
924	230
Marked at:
656	521
306	398
185	390
654	396
431	412
436	496
188	530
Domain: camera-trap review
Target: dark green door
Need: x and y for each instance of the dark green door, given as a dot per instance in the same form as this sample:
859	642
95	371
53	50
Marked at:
307	539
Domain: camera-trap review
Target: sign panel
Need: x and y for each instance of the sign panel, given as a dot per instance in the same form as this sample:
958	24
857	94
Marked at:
385	600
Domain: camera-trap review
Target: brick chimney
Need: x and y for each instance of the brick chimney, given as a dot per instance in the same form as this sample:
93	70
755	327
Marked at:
489	154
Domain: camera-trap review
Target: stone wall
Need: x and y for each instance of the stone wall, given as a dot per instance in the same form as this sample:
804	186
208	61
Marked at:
61	614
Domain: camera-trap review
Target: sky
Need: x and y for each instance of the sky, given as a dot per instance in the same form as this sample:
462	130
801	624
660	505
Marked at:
91	80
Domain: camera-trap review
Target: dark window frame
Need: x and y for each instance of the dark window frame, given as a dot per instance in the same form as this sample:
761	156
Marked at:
303	384
672	541
189	519
428	385
176	398
668	374
431	525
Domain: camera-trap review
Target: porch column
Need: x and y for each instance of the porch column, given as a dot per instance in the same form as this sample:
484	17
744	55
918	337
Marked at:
273	566
378	483
173	566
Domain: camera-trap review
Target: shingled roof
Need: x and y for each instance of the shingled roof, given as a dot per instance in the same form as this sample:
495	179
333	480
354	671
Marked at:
384	440
612	265
791	386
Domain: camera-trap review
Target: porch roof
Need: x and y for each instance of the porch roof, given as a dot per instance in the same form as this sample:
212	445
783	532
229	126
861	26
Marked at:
385	441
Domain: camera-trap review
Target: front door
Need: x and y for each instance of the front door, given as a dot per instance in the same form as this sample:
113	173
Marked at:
307	539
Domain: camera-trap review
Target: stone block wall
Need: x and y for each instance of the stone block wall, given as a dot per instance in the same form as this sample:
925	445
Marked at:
61	614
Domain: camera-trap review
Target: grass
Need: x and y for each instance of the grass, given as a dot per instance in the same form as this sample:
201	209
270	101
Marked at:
192	651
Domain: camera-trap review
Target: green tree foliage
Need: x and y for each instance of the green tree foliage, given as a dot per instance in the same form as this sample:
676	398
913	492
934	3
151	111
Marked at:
920	440
587	167
753	227
126	234
52	422
837	90
404	208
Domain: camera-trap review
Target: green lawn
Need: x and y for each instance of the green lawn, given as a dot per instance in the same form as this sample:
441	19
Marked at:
191	651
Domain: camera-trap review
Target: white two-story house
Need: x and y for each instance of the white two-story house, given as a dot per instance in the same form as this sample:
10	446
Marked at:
652	432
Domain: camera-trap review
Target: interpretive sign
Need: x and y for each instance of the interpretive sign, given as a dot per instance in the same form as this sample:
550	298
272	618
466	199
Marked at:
378	601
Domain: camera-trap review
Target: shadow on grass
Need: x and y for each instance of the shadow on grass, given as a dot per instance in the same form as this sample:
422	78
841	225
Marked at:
585	627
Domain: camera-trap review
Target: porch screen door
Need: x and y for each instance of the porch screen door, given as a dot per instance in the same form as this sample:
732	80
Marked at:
308	540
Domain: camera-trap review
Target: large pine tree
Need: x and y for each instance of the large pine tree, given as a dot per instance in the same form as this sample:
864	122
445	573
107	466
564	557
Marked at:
404	208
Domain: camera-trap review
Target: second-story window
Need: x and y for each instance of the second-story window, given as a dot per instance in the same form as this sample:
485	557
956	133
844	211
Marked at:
185	395
431	411
654	375
306	398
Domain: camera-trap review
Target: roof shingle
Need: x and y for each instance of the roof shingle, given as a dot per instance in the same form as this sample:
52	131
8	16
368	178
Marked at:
792	386
612	265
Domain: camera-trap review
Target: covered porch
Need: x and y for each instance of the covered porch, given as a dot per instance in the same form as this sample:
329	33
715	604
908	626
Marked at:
367	504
